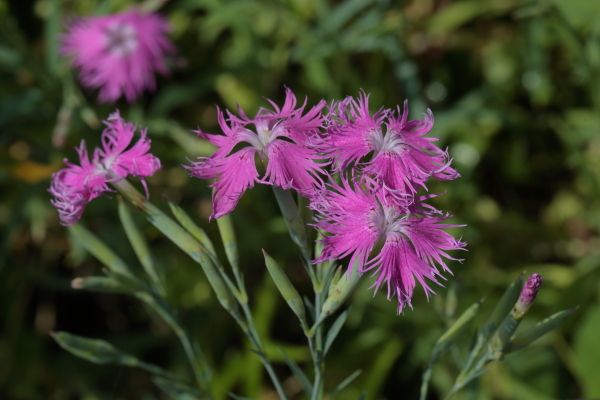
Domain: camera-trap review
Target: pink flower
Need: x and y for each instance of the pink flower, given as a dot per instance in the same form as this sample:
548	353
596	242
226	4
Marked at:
402	244
279	140
120	53
385	145
76	185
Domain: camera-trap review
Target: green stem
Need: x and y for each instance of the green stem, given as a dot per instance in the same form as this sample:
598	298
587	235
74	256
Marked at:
297	229
317	353
294	222
195	356
210	266
254	337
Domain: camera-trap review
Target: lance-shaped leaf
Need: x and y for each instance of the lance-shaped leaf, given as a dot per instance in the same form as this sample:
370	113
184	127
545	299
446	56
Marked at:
285	287
99	250
229	242
293	219
335	329
176	390
101	352
339	291
458	326
104	284
182	239
504	306
345	383
445	341
298	373
140	247
528	336
188	223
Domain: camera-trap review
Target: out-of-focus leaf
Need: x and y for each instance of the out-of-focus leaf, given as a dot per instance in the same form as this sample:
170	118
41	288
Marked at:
456	14
100	284
176	390
504	306
587	352
528	336
52	28
298	373
580	13
459	325
335	329
139	245
345	383
101	352
382	365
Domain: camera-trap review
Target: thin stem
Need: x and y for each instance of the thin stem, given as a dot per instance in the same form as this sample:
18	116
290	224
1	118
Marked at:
253	335
296	227
425	381
318	350
211	267
192	357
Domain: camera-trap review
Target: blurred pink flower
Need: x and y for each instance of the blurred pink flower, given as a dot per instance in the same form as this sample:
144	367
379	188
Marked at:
120	53
281	143
76	185
385	145
403	244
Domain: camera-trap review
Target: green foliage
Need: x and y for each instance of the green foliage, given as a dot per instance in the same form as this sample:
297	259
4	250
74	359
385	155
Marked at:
515	89
587	351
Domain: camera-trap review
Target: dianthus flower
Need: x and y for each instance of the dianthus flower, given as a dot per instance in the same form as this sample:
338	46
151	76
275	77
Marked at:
403	244
386	145
76	185
120	53
279	140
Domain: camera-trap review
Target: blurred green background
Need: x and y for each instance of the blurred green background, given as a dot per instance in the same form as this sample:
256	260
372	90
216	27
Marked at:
515	89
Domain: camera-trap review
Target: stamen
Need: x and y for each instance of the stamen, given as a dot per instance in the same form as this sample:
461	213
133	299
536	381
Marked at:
121	39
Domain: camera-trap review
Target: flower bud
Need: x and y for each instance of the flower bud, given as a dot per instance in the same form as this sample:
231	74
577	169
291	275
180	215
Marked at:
528	294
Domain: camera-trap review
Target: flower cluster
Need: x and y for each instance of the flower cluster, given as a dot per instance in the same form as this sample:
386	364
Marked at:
280	141
361	172
120	53
76	185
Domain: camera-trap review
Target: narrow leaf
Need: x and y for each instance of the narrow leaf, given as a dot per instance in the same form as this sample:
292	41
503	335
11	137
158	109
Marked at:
339	291
236	397
229	241
98	249
101	352
188	223
139	245
459	325
530	335
293	218
335	329
345	383
504	306
176	390
180	237
287	290
298	373
99	284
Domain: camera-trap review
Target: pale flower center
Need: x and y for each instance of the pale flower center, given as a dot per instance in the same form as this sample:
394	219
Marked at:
388	220
386	143
121	39
264	135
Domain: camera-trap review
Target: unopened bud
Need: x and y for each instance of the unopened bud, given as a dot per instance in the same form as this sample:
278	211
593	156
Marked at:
528	294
